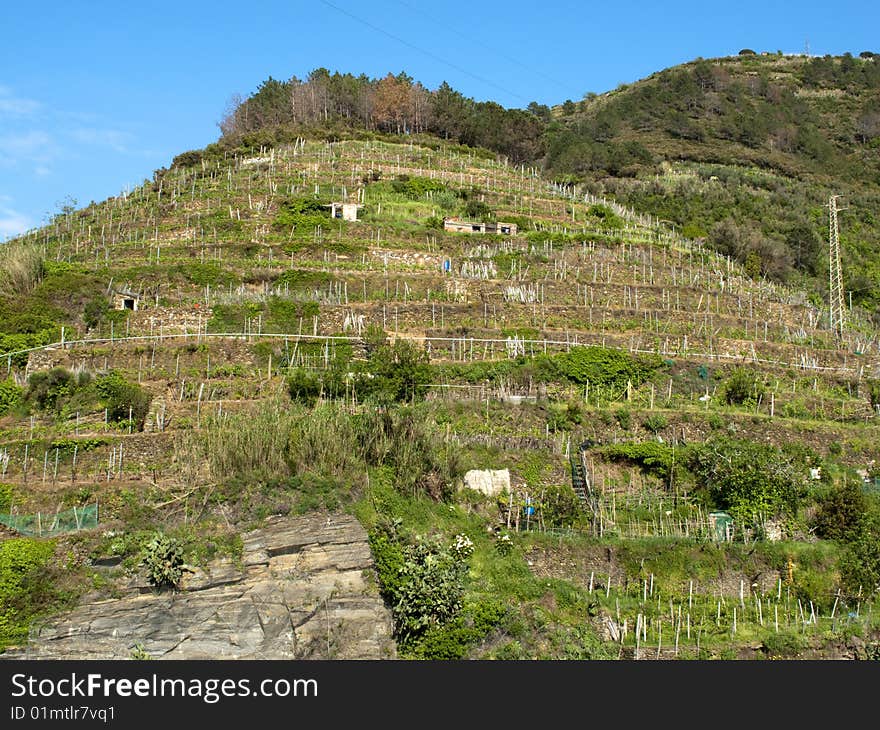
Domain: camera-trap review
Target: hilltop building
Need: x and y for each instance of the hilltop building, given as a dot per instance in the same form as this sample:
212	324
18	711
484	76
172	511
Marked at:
459	226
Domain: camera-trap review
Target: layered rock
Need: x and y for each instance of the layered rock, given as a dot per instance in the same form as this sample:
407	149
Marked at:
303	589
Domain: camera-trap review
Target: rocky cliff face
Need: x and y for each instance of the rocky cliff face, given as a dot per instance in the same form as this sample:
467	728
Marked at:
304	589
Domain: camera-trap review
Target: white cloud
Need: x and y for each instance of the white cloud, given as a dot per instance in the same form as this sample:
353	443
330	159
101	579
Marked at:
12	105
34	146
13	223
112	138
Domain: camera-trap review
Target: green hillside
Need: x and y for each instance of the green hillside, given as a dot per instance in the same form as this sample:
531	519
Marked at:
214	348
743	152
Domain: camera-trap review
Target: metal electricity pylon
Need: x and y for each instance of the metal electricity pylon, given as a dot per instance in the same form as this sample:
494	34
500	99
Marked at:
835	273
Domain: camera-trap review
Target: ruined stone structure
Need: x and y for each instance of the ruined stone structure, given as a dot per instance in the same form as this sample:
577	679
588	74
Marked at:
459	226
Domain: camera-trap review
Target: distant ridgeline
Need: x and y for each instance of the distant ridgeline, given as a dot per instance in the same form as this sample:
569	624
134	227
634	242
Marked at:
742	152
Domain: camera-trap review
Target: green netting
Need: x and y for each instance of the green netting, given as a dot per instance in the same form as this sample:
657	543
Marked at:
45	524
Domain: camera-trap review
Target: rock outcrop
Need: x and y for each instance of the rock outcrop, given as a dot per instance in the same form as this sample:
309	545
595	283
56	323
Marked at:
303	589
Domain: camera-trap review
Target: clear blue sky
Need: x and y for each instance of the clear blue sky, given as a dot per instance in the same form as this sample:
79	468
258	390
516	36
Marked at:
96	95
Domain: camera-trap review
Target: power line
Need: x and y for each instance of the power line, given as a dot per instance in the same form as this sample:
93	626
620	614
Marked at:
422	50
495	51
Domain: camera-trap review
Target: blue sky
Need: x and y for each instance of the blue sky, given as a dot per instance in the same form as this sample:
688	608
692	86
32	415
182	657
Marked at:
95	96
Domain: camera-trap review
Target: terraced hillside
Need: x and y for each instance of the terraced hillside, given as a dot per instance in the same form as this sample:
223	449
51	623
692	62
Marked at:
266	358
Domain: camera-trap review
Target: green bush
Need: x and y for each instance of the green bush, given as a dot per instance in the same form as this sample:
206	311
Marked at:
162	557
874	392
454	639
652	457
124	401
423	580
5	497
304	386
477	210
431	588
385	544
301	213
559	505
841	514
190	158
655	422
399	372
785	644
860	562
10	395
416	187
715	421
606	367
750	480
47	388
25	590
743	387
623	418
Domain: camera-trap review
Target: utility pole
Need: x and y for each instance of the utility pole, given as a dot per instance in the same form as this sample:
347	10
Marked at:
835	274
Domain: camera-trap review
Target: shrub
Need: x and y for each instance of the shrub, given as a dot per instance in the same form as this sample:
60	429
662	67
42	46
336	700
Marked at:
841	514
431	588
874	392
652	457
748	479
784	644
743	387
454	639
124	400
5	497
48	388
860	562
10	395
606	367
416	187
715	421
423	580
162	556
478	210
304	386
503	543
190	158
24	587
396	373
385	544
301	213
655	422
623	418
559	505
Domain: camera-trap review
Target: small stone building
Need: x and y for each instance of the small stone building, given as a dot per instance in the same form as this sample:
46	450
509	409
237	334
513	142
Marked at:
346	211
460	226
124	299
